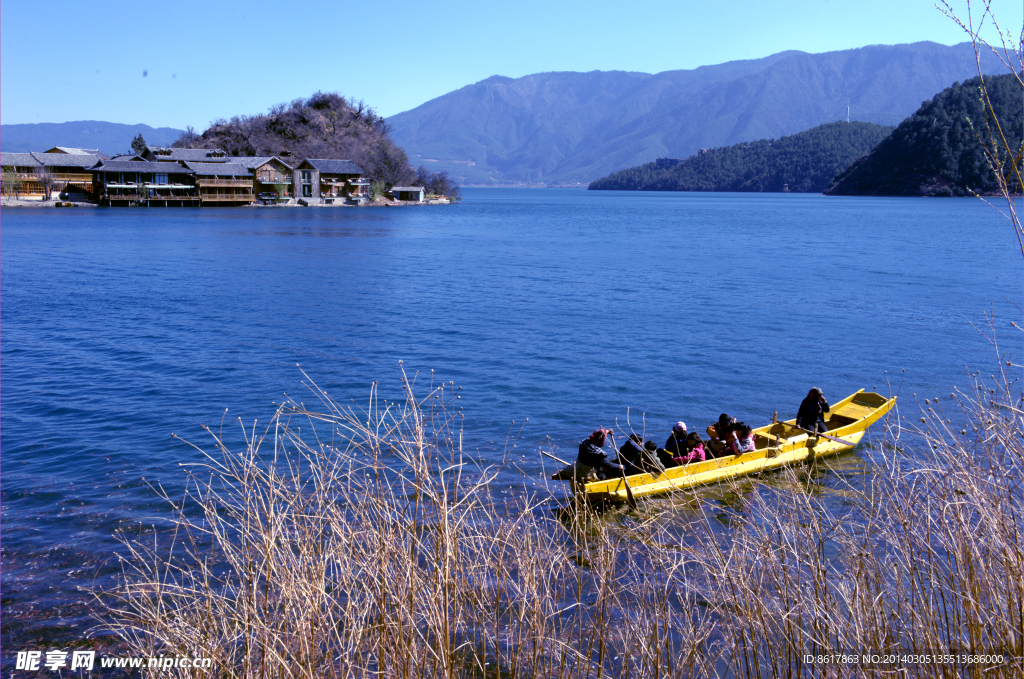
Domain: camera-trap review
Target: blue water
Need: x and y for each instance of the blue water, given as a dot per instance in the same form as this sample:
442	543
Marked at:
121	327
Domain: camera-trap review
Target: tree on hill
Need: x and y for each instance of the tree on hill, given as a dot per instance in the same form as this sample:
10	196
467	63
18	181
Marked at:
326	125
937	151
803	162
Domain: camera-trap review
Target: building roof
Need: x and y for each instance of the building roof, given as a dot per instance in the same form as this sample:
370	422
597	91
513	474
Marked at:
406	188
252	162
163	154
66	159
140	166
332	166
73	152
219	169
19	160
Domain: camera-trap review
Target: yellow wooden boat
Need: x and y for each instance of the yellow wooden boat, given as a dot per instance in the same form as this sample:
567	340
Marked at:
778	444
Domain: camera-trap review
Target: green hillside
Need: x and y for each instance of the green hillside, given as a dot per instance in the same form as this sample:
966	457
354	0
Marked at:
935	151
804	162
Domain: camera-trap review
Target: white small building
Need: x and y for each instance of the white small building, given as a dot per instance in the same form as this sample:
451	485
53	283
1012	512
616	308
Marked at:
413	194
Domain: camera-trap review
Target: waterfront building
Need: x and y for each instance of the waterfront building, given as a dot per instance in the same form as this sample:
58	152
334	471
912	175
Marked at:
222	183
414	194
29	174
327	180
20	174
141	182
69	171
273	179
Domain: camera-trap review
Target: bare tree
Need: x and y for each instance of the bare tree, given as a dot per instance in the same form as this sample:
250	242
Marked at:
44	177
10	184
188	139
1004	156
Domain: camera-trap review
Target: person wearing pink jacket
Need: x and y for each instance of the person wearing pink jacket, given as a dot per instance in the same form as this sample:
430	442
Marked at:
694	450
741	439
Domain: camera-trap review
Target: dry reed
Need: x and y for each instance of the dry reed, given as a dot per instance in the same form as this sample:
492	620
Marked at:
367	543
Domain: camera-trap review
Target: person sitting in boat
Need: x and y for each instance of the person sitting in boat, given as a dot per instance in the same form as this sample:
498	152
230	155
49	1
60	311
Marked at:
741	439
694	450
811	415
592	455
651	459
715	446
676	443
631	454
724	426
675	446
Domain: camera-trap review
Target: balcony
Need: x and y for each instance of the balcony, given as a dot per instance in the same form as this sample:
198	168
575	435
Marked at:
226	197
217	181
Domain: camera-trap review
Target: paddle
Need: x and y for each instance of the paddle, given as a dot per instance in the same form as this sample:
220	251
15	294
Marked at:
629	491
556	459
824	436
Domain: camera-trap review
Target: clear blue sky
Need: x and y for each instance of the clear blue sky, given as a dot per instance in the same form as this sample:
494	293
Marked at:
187	63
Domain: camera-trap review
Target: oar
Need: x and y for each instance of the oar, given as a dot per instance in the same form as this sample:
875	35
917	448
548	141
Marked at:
818	433
556	459
629	491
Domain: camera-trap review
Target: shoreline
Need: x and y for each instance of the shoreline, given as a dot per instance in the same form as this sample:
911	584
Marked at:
37	204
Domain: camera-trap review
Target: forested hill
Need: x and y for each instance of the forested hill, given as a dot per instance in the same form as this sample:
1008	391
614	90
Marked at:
326	125
935	151
806	162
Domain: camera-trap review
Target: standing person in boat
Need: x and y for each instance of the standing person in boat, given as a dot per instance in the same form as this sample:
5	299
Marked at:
741	439
811	415
592	455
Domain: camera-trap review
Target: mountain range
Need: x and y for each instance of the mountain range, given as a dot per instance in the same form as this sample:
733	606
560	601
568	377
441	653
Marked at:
110	138
570	128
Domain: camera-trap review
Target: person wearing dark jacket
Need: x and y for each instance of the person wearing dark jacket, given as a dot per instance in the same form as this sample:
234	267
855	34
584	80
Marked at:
811	415
592	456
631	454
676	443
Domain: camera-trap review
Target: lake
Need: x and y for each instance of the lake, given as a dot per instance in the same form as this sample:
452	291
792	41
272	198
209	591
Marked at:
570	308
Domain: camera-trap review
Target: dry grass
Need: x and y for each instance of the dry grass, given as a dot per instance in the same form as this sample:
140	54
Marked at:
367	543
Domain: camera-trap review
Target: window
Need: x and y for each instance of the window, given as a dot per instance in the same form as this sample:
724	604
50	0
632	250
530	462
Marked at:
160	179
307	190
307	176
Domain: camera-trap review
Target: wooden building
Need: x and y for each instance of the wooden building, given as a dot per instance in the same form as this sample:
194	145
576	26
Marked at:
126	183
327	180
273	179
69	171
20	175
222	183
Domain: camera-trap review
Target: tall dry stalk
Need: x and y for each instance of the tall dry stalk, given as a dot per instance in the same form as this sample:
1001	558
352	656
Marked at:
367	544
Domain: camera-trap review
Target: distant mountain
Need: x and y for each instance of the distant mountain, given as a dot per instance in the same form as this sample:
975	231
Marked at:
935	151
802	163
110	138
566	128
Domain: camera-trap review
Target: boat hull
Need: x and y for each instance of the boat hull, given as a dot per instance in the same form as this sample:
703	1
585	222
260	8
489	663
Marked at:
778	445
